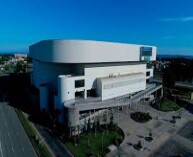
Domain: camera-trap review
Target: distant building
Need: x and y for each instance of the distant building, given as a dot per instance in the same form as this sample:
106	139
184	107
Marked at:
82	76
19	57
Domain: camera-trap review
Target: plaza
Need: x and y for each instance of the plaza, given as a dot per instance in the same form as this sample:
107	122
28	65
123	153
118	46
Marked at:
168	138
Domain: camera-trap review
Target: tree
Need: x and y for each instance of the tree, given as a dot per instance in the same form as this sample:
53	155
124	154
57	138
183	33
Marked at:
98	125
88	130
168	78
9	68
78	129
71	130
95	127
20	67
89	125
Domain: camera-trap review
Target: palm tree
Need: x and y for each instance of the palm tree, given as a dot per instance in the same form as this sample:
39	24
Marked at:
78	129
102	142
111	120
107	121
88	130
95	127
98	127
88	125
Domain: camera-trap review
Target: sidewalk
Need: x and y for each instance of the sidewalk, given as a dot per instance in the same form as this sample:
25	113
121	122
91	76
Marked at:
40	138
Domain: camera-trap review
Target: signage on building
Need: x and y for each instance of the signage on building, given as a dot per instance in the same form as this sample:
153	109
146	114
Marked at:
146	51
146	58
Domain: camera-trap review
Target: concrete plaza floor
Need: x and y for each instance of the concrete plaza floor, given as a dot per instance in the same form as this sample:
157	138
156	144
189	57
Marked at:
169	139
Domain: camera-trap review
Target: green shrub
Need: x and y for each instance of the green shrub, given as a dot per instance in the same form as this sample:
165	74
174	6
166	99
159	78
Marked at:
141	116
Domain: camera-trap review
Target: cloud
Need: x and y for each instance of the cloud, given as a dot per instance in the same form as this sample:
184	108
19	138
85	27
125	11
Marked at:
180	19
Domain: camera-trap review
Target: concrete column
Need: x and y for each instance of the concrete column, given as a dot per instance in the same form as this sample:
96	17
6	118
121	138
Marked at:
64	93
85	94
94	116
73	117
65	88
156	94
162	92
107	115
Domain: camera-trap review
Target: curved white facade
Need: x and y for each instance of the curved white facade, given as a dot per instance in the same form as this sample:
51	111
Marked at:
67	72
86	51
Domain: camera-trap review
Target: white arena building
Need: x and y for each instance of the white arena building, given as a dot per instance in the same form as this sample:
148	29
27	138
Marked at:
83	76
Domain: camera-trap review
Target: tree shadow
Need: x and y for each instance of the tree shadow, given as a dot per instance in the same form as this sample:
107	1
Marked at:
186	105
129	144
140	136
17	91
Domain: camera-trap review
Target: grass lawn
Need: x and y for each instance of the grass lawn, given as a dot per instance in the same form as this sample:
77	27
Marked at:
187	95
40	148
183	93
82	149
168	105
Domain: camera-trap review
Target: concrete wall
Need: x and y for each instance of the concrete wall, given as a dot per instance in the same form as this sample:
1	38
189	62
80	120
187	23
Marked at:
67	89
91	74
151	73
66	84
112	87
48	72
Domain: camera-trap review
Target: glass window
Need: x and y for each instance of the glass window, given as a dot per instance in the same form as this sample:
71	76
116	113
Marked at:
79	83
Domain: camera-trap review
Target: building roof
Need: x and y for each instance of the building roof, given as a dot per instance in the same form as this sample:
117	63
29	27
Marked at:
86	51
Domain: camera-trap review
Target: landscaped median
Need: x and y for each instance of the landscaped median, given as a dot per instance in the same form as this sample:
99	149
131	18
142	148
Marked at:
39	146
166	104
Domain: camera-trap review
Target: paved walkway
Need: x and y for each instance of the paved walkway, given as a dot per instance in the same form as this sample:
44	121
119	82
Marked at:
160	127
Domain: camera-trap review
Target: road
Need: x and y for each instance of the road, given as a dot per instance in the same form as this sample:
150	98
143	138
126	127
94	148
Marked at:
53	141
13	139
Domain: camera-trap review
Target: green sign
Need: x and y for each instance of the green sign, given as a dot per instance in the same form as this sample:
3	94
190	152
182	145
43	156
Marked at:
146	58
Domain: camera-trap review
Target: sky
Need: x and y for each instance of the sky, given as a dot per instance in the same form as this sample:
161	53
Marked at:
167	24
